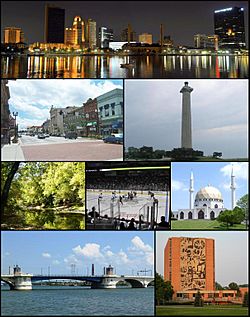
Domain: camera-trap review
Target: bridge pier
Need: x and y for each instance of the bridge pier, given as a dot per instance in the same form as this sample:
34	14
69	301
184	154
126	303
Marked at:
105	283
18	283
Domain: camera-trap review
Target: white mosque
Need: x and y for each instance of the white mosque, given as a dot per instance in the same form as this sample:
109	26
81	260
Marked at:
208	202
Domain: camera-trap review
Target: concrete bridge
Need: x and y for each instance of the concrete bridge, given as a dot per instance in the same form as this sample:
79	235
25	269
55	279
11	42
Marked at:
23	281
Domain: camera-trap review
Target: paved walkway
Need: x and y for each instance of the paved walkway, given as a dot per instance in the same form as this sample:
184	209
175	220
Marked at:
12	152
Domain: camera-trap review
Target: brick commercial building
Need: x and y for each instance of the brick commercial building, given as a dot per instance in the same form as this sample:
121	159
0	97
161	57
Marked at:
189	264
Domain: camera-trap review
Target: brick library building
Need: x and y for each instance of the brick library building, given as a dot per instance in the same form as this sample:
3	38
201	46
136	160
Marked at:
189	264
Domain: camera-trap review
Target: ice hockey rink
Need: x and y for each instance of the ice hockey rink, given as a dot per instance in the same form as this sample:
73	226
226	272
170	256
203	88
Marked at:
128	208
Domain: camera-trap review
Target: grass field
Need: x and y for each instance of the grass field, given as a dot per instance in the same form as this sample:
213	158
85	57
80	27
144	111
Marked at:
186	310
203	224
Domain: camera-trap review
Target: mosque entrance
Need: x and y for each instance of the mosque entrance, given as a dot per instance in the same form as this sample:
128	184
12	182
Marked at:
182	215
190	215
212	215
201	214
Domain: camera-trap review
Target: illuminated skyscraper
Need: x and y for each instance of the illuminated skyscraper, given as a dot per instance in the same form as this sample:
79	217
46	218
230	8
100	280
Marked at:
106	35
13	35
54	24
90	33
229	26
146	38
76	34
78	26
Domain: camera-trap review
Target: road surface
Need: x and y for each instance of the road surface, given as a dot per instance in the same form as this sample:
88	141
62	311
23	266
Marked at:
61	149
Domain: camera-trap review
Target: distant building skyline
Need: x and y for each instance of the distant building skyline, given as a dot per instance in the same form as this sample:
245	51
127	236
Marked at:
13	14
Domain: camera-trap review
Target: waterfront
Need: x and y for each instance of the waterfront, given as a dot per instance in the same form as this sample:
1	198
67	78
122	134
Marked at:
54	300
96	66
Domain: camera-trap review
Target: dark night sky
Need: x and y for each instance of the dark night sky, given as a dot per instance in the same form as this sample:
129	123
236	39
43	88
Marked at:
181	19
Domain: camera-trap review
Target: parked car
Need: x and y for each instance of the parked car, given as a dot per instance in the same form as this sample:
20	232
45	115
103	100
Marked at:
41	136
46	135
114	138
70	135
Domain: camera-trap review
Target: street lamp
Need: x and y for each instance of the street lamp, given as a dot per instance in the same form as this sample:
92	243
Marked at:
15	114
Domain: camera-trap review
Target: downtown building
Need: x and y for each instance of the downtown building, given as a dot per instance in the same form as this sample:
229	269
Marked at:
54	24
189	264
230	27
110	109
106	35
57	116
206	41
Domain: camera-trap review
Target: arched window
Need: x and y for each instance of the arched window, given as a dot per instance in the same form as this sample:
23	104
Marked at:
205	205
181	215
215	206
212	215
190	215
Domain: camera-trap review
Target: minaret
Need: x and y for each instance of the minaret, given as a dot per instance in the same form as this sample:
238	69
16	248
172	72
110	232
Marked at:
186	125
233	189
191	191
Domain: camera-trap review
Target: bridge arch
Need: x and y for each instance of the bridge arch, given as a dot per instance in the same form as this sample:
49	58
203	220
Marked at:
11	285
134	283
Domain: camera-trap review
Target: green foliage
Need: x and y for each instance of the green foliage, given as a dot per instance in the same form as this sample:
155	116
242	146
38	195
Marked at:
243	204
231	217
40	187
198	301
218	286
233	286
163	290
245	300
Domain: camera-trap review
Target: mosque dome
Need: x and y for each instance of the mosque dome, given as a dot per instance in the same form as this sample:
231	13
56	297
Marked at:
208	193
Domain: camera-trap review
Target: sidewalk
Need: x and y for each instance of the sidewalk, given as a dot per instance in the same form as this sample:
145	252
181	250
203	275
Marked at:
12	152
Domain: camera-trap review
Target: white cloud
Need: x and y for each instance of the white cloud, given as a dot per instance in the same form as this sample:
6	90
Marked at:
240	170
139	244
46	255
123	257
109	253
177	185
90	250
55	262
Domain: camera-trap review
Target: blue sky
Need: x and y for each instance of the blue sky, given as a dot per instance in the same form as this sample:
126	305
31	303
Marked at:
216	174
35	250
32	98
231	261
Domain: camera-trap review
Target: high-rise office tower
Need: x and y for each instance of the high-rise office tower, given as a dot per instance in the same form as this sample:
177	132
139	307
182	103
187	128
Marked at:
128	35
90	33
229	26
106	35
78	25
76	34
13	35
54	24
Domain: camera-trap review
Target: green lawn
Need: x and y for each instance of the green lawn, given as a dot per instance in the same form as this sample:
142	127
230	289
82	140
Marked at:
203	224
186	310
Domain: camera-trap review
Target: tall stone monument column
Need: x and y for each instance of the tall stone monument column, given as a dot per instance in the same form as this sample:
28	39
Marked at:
186	125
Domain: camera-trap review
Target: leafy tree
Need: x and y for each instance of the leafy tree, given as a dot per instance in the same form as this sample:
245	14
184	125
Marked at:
163	291
243	204
233	286
8	170
231	217
245	300
218	286
198	301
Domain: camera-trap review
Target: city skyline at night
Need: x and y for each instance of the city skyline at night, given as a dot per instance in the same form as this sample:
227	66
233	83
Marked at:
175	17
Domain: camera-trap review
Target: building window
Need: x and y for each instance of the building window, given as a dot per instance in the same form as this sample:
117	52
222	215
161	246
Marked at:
113	108
215	206
106	112
182	215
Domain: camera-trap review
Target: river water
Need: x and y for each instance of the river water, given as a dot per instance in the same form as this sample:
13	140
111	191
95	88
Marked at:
81	301
65	66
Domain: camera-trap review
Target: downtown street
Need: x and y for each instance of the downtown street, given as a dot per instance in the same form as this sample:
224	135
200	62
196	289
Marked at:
30	148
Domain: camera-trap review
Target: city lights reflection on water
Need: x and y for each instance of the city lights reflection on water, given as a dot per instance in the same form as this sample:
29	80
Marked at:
183	66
